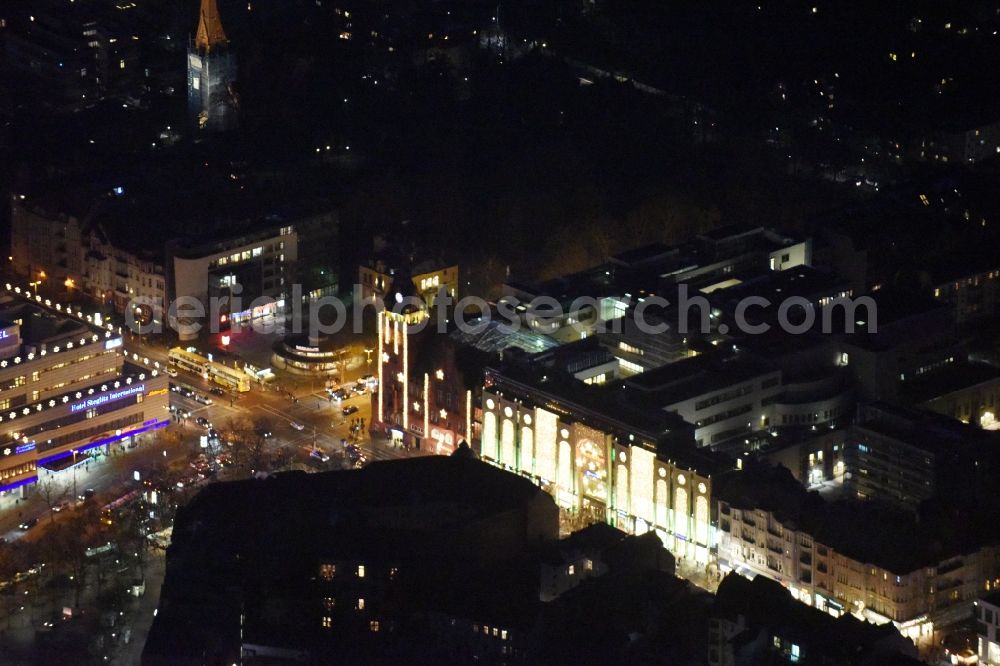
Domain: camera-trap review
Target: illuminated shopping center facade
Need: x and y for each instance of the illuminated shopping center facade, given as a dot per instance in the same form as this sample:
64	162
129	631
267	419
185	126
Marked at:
636	469
67	389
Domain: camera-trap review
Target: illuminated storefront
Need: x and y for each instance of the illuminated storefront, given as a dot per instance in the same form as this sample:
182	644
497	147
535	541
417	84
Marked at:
599	472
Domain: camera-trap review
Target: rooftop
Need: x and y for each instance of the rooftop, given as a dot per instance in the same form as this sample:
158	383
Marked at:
608	407
695	376
764	602
493	336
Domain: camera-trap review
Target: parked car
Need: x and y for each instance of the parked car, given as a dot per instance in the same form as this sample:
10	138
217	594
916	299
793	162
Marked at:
369	380
338	394
171	372
215	390
319	455
350	409
204	423
297	426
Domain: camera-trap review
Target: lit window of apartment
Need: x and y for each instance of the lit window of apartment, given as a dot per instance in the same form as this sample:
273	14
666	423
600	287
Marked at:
327	621
361	571
373	625
626	347
329	603
361	603
327	571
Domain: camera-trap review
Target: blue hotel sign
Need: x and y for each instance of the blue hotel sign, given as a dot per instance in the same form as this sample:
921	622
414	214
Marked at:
105	398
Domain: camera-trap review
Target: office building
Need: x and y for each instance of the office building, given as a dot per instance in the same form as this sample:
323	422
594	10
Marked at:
249	276
726	397
905	456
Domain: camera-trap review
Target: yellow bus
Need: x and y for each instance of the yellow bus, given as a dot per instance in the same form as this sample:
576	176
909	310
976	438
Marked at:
231	378
190	361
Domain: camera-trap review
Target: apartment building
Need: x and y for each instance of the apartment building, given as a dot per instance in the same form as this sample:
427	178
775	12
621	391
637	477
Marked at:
877	563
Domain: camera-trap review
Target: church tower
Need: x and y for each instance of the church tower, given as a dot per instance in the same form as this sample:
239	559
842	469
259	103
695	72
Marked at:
212	100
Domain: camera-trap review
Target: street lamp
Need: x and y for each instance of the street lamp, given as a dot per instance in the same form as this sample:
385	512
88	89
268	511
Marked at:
369	354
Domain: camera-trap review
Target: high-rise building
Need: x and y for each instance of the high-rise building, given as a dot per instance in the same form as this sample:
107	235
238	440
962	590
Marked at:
212	99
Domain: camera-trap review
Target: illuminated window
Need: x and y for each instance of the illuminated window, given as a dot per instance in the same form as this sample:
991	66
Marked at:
361	603
588	565
329	603
571	570
373	625
361	571
392	573
327	571
327	621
